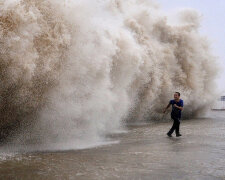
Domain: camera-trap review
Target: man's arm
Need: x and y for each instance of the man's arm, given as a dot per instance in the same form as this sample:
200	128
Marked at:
180	107
166	108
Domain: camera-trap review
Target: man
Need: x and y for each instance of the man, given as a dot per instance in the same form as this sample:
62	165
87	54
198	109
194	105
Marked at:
177	107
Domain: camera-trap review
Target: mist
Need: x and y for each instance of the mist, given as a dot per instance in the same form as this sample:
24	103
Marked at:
73	72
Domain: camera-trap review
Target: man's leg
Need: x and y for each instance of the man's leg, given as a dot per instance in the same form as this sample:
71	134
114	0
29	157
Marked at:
177	127
172	128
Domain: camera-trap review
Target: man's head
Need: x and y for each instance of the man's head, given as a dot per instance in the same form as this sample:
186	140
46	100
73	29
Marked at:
176	95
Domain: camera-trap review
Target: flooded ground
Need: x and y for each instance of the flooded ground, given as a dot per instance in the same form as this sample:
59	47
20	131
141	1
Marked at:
145	152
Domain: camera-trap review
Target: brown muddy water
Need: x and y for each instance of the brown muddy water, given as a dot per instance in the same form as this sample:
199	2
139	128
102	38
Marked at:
144	152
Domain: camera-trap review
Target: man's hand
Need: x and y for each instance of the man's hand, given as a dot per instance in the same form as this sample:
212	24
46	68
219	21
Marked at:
179	107
164	111
166	108
176	106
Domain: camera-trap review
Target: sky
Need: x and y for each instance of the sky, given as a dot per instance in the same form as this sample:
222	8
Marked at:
213	25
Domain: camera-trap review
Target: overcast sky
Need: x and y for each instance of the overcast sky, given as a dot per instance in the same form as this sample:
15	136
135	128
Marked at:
213	25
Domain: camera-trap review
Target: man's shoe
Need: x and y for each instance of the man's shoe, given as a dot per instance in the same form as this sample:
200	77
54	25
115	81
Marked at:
178	135
169	135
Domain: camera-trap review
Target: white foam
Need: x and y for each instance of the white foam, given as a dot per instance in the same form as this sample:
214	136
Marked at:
76	73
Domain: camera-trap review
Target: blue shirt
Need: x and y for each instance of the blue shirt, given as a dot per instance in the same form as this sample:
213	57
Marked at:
175	111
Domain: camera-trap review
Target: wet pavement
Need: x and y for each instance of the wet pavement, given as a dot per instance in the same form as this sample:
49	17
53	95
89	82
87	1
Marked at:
144	153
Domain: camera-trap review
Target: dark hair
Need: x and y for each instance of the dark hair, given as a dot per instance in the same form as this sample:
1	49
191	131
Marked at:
178	93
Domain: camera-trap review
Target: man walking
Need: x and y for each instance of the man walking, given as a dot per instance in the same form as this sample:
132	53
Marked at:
177	107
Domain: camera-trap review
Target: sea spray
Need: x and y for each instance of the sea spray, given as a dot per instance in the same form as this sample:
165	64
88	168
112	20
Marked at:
33	44
72	72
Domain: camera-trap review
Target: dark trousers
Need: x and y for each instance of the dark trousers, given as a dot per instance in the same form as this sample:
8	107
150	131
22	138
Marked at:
176	125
